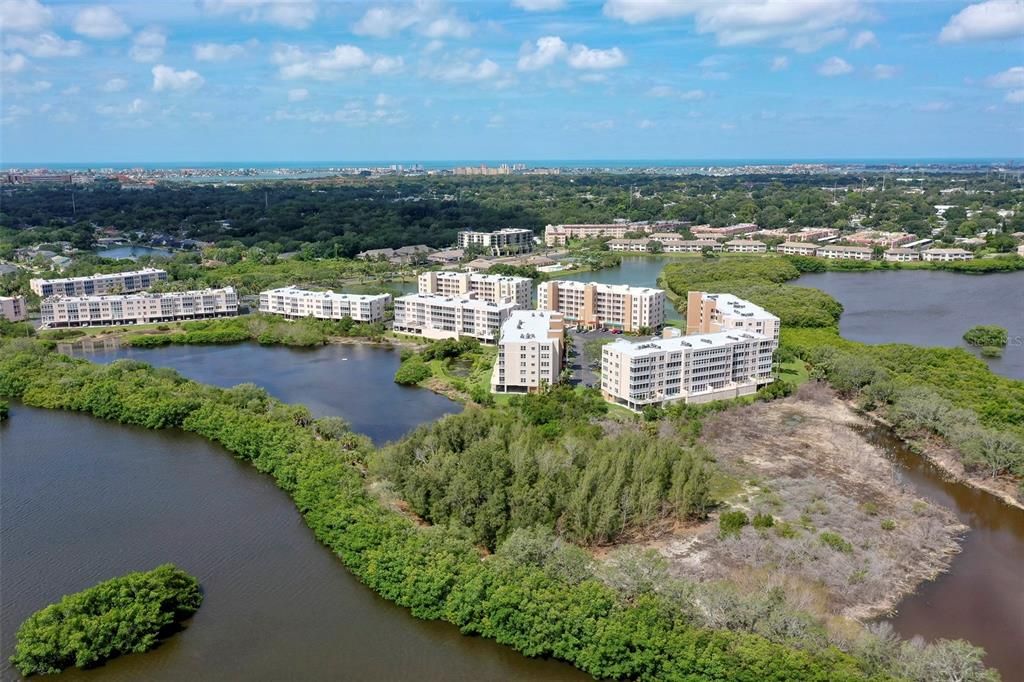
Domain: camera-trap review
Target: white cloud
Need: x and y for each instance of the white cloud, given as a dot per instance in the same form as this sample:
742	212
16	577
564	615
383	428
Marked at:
298	95
1013	77
463	71
72	90
133	108
148	45
166	78
582	57
990	20
606	124
864	39
114	85
217	52
669	91
45	45
63	116
834	66
12	63
780	63
883	72
692	95
662	91
355	114
645	124
100	22
33	88
934	106
1015	96
545	52
296	14
23	15
539	5
295	63
812	42
202	115
739	22
426	17
496	121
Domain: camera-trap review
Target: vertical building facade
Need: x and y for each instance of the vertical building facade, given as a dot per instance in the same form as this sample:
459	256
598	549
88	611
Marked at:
499	242
99	284
12	308
142	308
530	352
294	303
710	313
493	288
434	316
615	306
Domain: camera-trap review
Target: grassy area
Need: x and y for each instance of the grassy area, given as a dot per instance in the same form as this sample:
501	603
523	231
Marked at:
793	372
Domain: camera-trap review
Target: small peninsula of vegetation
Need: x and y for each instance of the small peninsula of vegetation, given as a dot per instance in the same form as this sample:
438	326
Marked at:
990	338
125	615
265	329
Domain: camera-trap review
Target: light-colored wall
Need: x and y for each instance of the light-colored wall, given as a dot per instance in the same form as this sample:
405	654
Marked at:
12	308
81	311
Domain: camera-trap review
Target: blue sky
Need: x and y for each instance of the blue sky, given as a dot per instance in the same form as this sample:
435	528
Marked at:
324	80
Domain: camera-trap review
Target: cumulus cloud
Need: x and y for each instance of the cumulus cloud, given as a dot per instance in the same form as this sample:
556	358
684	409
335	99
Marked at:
355	113
780	63
217	52
1013	77
864	39
114	85
100	22
426	17
990	20
167	79
545	52
539	5
45	45
133	108
645	124
27	16
740	22
295	63
1015	96
582	57
12	63
295	14
812	42
883	72
934	106
298	95
664	91
834	66
465	71
148	45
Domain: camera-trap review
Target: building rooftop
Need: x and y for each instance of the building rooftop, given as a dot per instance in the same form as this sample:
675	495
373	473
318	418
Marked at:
141	295
102	275
848	249
528	325
694	342
305	293
463	301
956	251
731	305
614	288
481	276
743	242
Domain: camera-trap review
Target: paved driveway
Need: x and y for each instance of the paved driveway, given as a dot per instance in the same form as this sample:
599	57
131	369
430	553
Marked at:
586	370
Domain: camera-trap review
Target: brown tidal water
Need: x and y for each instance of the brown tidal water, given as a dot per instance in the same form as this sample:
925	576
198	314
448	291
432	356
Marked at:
83	500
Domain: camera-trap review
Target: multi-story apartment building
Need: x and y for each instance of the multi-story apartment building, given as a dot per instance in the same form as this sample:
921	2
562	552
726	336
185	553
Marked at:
796	249
616	306
889	240
710	313
293	302
12	308
745	246
630	245
706	231
901	255
141	308
676	245
434	316
804	234
117	282
945	255
504	241
559	235
845	252
694	369
530	352
493	288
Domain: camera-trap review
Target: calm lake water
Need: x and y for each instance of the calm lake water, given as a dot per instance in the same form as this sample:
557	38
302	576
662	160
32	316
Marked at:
351	381
928	308
83	500
134	252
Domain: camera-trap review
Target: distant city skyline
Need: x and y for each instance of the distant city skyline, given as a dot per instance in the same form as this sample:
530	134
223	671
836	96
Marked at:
321	81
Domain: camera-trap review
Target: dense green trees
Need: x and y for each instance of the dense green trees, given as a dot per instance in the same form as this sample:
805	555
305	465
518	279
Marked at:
266	329
986	335
120	616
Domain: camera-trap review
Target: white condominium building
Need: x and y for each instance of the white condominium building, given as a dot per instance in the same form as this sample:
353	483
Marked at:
694	369
709	313
434	316
559	235
85	311
116	282
617	306
324	305
12	308
901	255
493	288
797	249
507	240
845	252
529	352
745	246
946	255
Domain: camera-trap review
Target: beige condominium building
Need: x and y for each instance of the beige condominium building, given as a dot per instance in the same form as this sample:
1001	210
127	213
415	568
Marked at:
498	242
117	282
797	249
530	352
745	246
12	308
559	235
616	306
434	316
946	255
493	288
142	308
709	313
706	231
293	302
900	255
695	369
845	252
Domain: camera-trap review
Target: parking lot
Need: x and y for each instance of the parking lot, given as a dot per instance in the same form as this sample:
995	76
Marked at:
585	357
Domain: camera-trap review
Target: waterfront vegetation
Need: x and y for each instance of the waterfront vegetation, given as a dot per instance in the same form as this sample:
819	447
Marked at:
4	410
624	618
458	369
999	263
265	329
990	338
125	615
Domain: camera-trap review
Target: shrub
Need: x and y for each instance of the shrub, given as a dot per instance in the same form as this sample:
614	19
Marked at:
731	523
835	541
991	352
412	371
888	524
986	335
120	616
762	520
